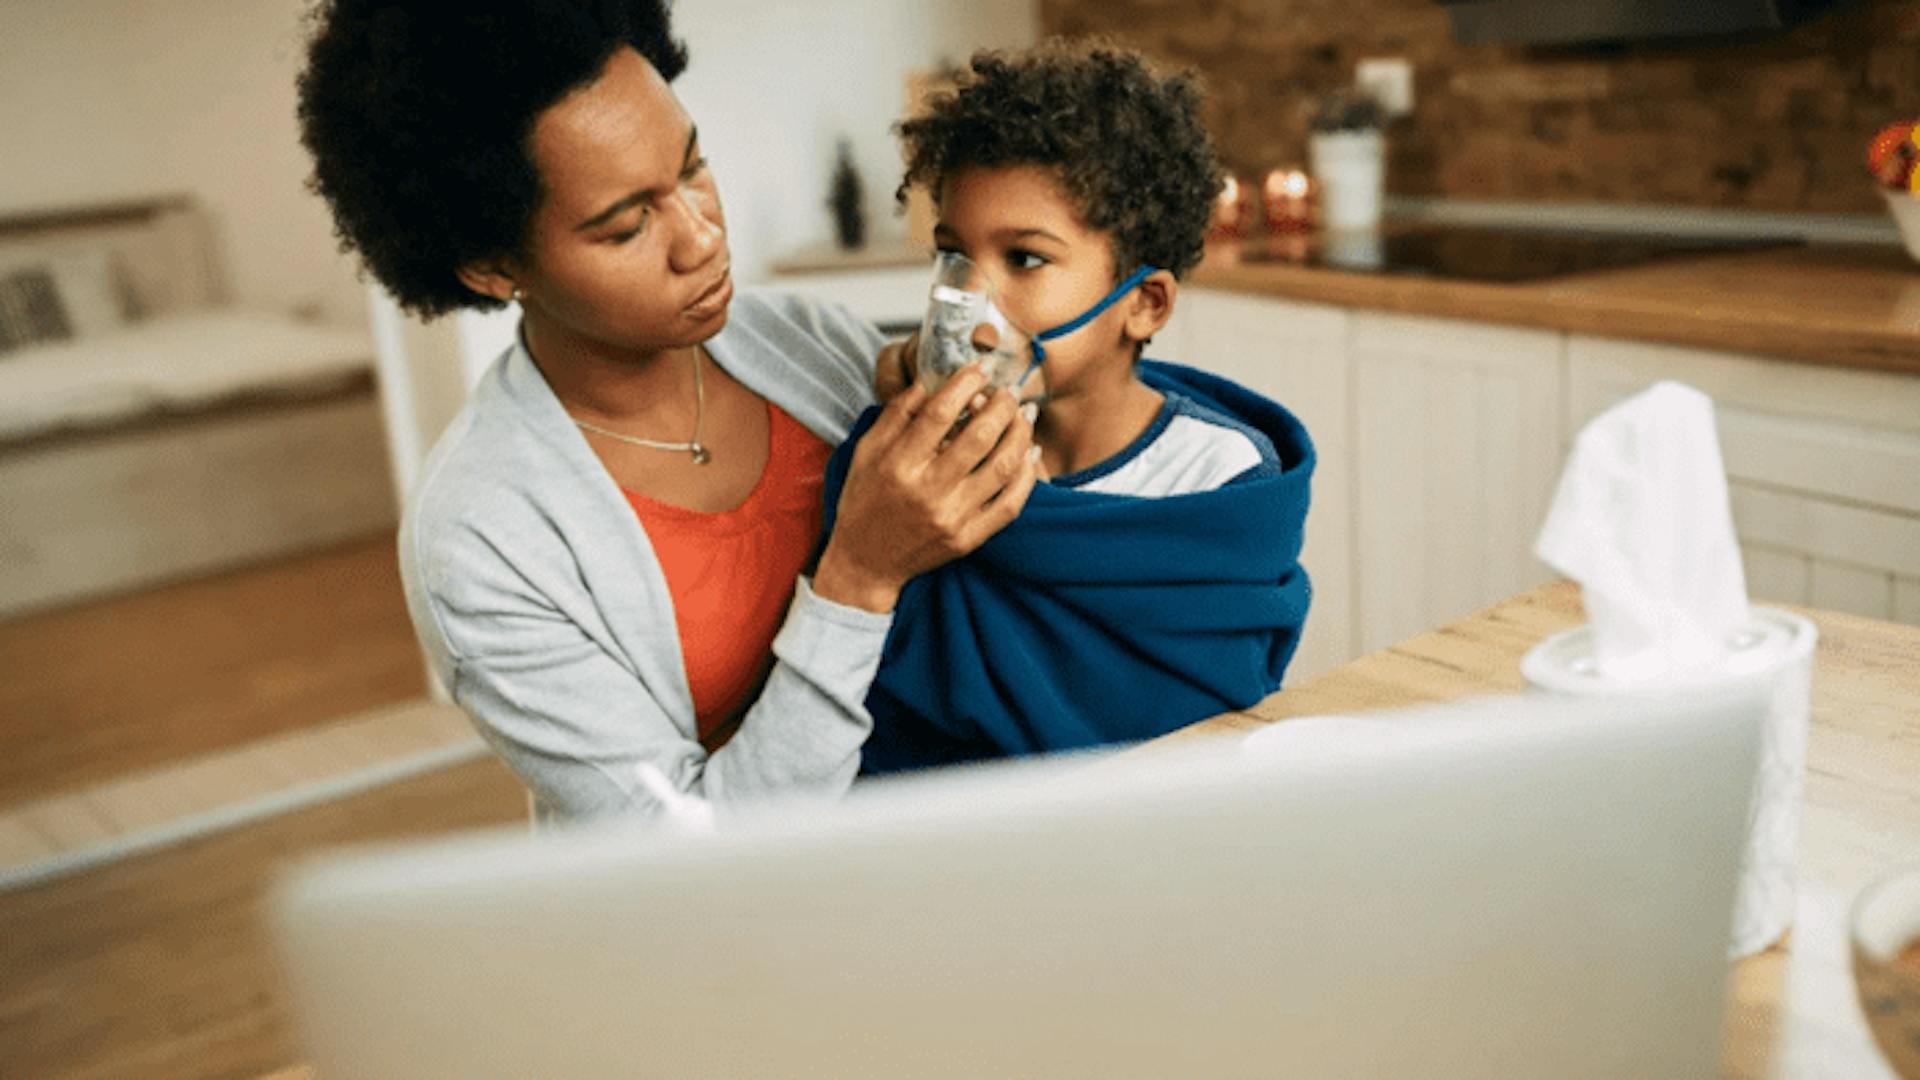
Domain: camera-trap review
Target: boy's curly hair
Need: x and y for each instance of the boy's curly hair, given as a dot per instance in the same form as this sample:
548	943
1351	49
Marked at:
418	114
1126	143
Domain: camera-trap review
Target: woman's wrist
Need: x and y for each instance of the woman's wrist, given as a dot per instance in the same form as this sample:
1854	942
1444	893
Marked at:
837	580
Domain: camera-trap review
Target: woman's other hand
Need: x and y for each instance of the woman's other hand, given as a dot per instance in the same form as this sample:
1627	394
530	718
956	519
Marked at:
915	498
893	371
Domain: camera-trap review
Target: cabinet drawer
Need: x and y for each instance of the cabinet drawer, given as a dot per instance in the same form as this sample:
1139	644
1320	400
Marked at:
1823	467
1828	530
1848	436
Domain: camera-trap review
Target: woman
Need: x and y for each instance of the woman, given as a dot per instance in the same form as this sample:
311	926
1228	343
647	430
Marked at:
604	556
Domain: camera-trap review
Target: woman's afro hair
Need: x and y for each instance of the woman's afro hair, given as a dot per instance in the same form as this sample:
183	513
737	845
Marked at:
1126	143
418	115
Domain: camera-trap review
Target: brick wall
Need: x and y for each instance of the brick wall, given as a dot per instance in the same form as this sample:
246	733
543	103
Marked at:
1769	122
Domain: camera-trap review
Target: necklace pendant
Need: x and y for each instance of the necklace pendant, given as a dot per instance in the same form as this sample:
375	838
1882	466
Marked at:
700	455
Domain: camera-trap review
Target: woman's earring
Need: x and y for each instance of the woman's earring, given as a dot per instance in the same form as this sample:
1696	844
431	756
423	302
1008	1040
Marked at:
517	295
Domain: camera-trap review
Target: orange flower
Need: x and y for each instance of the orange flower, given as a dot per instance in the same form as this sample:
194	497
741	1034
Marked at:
1893	154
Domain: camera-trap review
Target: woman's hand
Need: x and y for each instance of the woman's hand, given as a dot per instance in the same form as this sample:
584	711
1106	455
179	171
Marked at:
916	498
893	371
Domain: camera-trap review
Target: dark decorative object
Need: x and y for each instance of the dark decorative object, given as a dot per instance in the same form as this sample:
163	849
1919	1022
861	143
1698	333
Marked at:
844	199
1590	22
1346	109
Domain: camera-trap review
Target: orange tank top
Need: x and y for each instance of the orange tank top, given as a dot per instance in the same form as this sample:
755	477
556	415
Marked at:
731	573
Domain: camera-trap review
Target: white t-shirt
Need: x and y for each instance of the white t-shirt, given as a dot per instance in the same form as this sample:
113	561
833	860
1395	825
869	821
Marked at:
1188	447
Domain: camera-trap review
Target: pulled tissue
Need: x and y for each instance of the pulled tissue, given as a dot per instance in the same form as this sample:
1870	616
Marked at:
1641	521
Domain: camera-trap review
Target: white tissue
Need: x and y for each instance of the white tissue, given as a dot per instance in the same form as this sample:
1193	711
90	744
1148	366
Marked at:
1641	521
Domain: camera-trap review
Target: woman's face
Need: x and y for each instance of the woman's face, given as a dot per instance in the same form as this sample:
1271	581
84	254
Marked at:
628	248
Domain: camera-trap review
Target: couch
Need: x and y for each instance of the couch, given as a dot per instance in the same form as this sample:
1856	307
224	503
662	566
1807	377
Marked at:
150	430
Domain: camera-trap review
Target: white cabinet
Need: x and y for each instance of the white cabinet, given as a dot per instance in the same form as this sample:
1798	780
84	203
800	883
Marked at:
1456	447
1295	354
1823	466
1439	443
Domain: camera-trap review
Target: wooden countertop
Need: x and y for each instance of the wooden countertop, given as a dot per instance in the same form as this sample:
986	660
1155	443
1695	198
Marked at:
1791	1009
1843	304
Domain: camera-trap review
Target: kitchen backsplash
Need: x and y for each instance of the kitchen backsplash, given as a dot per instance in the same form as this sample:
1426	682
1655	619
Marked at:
1765	122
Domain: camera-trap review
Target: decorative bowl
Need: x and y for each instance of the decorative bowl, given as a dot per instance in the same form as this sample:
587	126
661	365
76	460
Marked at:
1906	214
1885	927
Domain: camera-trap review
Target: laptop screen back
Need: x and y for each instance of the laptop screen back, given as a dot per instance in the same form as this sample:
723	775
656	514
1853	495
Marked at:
1513	887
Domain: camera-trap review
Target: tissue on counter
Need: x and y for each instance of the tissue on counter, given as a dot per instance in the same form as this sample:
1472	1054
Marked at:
1642	521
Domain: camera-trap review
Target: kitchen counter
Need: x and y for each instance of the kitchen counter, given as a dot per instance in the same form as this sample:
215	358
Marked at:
1848	305
1791	1009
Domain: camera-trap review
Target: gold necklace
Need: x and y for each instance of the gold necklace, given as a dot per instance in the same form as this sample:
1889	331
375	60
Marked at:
692	446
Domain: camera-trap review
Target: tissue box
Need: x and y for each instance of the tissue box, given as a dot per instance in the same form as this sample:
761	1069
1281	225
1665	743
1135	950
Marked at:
1778	647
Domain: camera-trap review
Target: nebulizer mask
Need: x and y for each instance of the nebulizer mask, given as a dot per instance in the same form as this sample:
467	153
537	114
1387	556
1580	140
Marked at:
964	324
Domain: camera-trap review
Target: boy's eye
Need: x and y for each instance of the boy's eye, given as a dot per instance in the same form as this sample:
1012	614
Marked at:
1025	260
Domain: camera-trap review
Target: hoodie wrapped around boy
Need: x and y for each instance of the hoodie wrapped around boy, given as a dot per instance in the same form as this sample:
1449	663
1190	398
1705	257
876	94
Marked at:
1098	618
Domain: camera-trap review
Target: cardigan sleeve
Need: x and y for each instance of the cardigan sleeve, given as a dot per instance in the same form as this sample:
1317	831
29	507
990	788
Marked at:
580	723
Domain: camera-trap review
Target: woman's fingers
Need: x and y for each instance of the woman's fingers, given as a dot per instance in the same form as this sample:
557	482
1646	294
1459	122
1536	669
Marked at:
972	446
893	420
984	455
1005	505
916	498
935	418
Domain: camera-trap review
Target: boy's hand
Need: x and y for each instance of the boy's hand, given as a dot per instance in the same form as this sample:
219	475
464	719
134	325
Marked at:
893	371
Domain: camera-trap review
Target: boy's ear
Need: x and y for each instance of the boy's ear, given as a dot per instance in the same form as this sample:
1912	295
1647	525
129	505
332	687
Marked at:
491	277
1151	305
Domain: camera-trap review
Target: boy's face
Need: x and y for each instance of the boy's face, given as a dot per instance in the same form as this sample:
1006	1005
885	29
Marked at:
1047	265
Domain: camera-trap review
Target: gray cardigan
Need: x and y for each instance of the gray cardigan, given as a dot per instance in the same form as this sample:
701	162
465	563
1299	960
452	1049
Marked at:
540	605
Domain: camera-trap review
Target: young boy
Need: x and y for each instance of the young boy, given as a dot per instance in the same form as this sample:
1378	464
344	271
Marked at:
1155	579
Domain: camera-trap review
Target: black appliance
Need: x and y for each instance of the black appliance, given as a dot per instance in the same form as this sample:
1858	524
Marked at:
1477	253
1575	22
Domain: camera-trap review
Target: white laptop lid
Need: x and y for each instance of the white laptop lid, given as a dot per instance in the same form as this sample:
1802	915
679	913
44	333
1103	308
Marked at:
1518	887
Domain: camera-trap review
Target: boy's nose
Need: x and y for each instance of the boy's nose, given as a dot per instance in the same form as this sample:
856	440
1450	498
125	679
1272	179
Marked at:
962	272
986	338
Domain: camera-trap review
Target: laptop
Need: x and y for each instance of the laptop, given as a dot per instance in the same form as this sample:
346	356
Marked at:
1502	888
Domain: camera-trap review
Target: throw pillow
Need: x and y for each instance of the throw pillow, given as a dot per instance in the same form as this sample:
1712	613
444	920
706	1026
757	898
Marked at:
30	309
87	276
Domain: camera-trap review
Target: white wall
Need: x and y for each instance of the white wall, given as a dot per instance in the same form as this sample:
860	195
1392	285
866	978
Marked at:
110	99
773	85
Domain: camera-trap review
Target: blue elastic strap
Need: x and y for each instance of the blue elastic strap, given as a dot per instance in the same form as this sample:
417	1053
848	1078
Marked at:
1087	316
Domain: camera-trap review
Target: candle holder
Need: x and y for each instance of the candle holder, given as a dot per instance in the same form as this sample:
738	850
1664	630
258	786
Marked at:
1232	208
1291	200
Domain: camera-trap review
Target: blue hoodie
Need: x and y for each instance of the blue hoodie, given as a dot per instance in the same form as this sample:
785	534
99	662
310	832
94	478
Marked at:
1098	618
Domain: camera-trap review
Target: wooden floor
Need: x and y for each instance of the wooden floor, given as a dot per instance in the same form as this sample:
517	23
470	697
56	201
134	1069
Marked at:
108	688
158	968
114	819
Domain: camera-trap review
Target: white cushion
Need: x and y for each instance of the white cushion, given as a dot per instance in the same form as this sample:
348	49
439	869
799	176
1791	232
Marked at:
174	362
